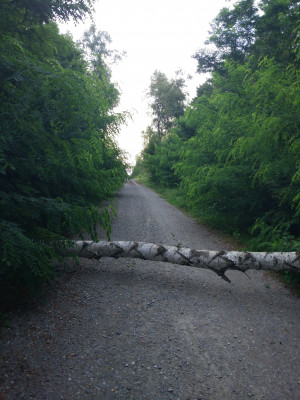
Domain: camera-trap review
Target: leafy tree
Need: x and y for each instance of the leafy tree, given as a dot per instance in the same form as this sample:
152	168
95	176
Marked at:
278	30
160	144
242	31
58	156
158	158
43	11
167	101
241	168
235	150
233	33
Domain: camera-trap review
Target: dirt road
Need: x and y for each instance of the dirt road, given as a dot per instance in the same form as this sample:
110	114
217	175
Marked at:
124	329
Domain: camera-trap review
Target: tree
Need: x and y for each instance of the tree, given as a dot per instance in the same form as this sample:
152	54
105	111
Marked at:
158	158
241	169
234	153
58	157
232	36
278	30
264	28
167	101
44	11
160	144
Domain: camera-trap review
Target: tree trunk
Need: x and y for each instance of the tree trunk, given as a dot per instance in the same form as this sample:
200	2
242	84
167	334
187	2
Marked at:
217	261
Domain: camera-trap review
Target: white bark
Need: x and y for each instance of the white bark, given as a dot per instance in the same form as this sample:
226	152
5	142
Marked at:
217	261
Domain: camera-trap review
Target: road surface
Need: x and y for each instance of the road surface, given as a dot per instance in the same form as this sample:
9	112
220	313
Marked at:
132	329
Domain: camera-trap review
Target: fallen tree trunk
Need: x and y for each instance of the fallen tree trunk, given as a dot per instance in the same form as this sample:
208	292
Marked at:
216	261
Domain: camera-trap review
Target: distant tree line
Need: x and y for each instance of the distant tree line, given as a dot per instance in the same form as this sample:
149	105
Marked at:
58	156
233	154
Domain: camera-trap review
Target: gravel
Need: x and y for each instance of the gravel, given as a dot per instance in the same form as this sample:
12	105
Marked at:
133	329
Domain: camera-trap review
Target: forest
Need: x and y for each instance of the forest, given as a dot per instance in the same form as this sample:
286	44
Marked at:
59	159
231	157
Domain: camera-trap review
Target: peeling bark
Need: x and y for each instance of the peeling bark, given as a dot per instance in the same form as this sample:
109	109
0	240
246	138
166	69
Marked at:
216	261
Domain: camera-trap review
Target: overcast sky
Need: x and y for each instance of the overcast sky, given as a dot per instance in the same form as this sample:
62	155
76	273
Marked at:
156	35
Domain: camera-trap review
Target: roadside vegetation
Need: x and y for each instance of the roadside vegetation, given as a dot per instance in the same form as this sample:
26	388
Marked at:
58	156
232	156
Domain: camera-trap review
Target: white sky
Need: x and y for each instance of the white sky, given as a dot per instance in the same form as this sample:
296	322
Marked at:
156	35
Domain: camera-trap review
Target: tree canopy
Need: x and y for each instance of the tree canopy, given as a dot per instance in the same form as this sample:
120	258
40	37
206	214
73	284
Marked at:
167	101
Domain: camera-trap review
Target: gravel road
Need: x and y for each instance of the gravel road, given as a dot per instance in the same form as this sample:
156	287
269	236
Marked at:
133	329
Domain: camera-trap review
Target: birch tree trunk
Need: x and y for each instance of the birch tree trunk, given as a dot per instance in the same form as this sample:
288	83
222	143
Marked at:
216	261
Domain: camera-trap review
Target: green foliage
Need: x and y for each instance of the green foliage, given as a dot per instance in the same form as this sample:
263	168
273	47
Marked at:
58	157
139	169
278	30
28	12
242	165
268	28
232	35
159	159
235	151
25	263
274	237
161	147
167	101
